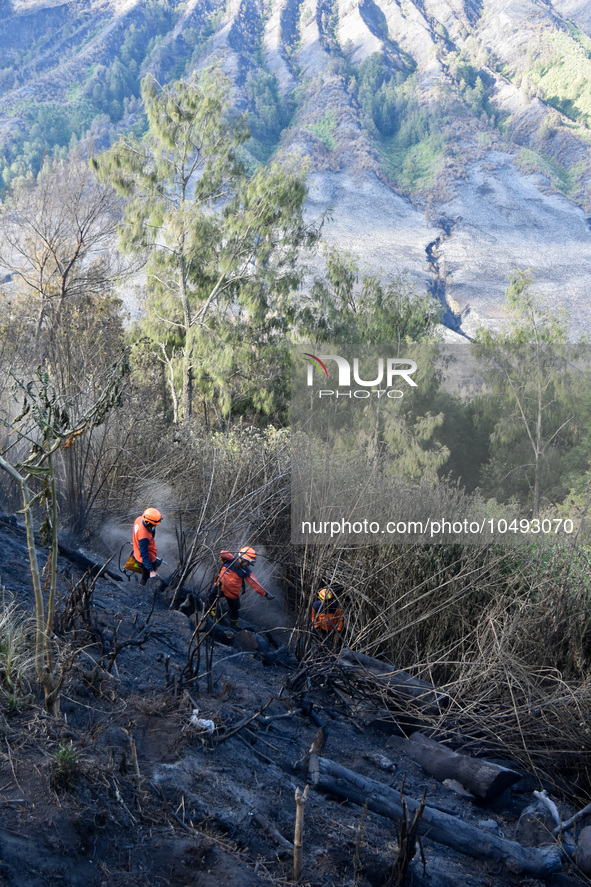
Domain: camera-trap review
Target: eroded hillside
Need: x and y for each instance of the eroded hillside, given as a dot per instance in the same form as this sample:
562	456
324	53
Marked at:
448	139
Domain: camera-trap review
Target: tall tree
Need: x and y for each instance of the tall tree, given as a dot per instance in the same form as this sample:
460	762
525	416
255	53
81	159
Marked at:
57	242
349	304
532	380
222	245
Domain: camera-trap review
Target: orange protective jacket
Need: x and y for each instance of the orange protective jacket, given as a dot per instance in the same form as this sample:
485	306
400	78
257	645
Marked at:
232	576
326	618
141	533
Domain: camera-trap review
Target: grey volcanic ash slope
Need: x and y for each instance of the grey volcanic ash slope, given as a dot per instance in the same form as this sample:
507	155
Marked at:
448	139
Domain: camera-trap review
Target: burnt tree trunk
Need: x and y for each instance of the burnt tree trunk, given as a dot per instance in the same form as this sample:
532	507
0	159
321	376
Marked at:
482	778
435	825
396	681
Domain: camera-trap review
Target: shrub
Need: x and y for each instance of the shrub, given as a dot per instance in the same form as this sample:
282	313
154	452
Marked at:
65	767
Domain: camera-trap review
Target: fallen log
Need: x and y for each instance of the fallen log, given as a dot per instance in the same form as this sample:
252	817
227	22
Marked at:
86	563
481	778
73	555
394	679
539	862
550	806
565	826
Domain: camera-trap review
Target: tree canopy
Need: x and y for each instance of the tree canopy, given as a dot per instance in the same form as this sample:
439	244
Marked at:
222	245
534	382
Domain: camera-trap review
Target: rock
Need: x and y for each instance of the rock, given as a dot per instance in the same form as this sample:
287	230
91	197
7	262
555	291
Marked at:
583	852
246	641
264	646
381	761
534	828
282	656
188	606
490	824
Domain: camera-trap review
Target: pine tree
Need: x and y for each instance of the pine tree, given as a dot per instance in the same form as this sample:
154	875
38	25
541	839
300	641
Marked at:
222	245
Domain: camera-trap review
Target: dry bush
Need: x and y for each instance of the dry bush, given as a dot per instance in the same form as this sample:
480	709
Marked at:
504	632
79	356
221	490
12	346
17	660
209	471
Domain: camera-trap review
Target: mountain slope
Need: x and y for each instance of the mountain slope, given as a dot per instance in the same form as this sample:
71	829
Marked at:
127	788
449	139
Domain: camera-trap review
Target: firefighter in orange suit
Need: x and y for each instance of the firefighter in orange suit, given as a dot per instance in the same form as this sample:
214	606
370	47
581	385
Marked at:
235	572
327	616
145	551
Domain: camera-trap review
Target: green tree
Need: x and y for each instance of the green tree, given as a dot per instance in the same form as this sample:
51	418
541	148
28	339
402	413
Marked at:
352	306
268	115
349	306
533	389
222	246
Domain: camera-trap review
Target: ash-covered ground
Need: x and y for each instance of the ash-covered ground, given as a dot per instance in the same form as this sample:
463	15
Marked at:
127	788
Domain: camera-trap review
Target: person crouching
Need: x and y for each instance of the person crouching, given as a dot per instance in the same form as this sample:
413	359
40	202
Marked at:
327	616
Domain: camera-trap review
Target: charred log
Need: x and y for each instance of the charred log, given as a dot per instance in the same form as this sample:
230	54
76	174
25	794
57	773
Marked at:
440	827
482	778
394	680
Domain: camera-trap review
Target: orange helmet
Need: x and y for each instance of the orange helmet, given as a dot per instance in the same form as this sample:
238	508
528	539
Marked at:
325	594
152	516
248	554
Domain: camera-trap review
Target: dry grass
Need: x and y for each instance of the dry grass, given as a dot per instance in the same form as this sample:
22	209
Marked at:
504	633
17	660
231	490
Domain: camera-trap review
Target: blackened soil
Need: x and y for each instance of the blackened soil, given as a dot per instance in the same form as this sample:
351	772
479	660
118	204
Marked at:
149	799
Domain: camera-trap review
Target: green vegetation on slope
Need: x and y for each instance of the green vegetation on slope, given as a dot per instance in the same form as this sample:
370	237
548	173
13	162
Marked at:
564	74
407	133
47	127
324	129
412	136
269	113
563	179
